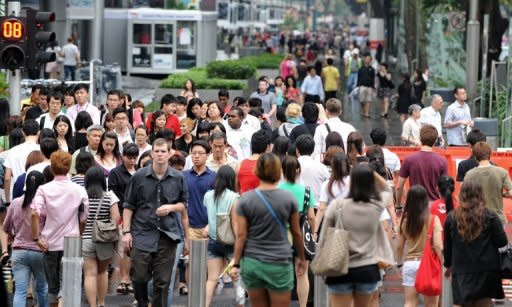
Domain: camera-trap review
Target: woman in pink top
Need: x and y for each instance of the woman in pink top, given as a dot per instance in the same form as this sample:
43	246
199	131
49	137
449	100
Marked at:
27	258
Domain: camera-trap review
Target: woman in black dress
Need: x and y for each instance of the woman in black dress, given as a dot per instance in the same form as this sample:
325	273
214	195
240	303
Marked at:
405	97
420	87
385	86
473	235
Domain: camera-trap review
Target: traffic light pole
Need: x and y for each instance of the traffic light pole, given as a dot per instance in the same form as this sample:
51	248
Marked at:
14	76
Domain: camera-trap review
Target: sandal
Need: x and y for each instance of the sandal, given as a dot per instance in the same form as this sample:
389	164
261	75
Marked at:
122	288
129	287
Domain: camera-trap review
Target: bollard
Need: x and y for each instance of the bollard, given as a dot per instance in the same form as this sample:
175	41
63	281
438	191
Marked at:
72	272
320	299
197	268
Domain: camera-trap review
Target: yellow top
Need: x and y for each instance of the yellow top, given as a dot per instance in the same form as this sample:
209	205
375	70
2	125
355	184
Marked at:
330	75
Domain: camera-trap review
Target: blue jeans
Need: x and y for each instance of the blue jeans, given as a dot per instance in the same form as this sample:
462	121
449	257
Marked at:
69	71
351	82
25	262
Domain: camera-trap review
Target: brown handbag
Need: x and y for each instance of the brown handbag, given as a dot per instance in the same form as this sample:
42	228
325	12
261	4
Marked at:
104	232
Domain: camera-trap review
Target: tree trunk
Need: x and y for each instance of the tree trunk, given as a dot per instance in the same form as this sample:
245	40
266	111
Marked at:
410	31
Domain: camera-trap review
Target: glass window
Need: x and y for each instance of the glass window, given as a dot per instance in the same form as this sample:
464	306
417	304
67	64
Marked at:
141	56
142	34
163	34
222	11
186	45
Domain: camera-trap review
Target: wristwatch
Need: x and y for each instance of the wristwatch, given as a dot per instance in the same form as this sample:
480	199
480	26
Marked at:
125	232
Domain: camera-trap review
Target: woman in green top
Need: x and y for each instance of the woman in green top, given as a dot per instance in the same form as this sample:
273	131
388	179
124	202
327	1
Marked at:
222	199
291	172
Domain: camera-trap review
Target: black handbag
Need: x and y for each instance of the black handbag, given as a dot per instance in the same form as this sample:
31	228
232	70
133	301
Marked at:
506	261
307	232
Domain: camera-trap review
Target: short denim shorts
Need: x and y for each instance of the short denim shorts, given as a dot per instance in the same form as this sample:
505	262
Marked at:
219	250
352	287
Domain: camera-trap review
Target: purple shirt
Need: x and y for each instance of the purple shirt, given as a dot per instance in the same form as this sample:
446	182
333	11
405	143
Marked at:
58	202
18	221
425	168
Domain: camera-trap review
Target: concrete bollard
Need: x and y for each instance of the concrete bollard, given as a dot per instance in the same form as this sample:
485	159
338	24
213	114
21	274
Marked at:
72	272
197	268
320	299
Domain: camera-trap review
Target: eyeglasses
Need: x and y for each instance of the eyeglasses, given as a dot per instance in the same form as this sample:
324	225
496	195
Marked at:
197	153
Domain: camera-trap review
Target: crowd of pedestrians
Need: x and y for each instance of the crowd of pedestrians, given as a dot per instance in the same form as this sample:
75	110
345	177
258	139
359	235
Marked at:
264	165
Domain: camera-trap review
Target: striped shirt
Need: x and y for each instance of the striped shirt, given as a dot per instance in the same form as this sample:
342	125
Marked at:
103	215
78	179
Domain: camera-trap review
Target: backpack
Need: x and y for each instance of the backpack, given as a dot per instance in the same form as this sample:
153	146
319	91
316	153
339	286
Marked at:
307	231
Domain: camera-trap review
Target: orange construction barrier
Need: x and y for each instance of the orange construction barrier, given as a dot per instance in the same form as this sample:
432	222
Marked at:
454	155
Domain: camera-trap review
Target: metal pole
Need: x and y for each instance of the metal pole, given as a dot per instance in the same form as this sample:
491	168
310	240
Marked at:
485	48
198	260
72	271
14	76
472	50
96	50
92	85
320	298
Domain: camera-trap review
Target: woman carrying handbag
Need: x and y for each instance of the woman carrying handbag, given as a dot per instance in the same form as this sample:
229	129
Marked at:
98	241
421	233
358	214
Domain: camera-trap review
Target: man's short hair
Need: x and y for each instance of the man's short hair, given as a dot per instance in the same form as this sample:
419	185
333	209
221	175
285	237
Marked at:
481	151
255	102
115	93
218	135
333	106
475	136
201	143
223	93
330	61
305	144
81	86
48	146
259	142
130	150
30	127
60	162
456	89
310	112
167	99
36	87
119	110
378	136
58	96
428	135
160	142
44	92
181	100
240	101
95	128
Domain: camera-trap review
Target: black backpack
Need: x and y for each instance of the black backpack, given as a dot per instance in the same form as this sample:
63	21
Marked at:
307	231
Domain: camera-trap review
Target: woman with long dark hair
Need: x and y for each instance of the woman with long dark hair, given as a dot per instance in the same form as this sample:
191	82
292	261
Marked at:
158	121
189	90
405	94
280	147
64	133
360	214
222	199
337	186
97	256
355	148
82	122
473	234
27	258
108	155
414	228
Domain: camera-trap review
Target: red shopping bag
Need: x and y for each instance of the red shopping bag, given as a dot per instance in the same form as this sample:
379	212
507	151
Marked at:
428	277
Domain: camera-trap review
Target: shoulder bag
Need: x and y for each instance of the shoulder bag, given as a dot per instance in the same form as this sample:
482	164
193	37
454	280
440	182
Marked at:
307	232
428	277
224	228
104	232
506	261
332	256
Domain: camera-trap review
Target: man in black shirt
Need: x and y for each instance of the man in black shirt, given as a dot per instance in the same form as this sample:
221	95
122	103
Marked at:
310	114
465	166
366	84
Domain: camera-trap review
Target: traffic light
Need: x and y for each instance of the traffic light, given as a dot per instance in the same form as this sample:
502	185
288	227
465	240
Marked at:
39	38
13	42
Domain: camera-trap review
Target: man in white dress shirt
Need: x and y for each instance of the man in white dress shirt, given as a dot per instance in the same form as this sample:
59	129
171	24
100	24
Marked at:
333	123
432	116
